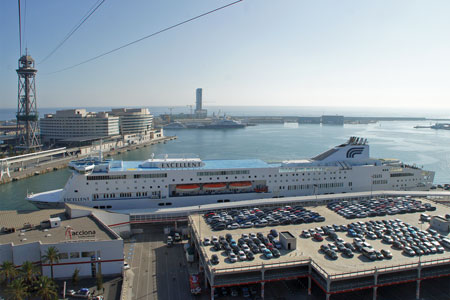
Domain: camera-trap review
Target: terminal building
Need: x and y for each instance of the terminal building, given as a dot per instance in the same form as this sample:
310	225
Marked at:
77	127
332	120
133	120
70	124
80	235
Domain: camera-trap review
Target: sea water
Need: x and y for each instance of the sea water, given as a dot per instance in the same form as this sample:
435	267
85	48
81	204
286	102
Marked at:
273	142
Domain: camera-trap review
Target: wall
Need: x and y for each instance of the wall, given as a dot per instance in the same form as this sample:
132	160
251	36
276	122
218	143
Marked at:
110	252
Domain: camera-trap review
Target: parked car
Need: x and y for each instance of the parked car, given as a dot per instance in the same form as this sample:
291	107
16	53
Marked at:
267	253
318	237
214	259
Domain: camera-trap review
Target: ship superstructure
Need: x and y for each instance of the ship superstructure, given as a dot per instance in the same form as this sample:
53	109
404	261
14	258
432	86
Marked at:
179	182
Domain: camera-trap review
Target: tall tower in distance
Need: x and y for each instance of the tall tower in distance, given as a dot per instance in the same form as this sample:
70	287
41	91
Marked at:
200	113
198	99
27	116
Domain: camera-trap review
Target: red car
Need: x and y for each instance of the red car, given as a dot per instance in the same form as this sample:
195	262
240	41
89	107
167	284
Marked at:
318	237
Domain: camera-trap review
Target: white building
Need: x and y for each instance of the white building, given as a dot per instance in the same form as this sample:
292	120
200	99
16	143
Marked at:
133	120
83	241
77	123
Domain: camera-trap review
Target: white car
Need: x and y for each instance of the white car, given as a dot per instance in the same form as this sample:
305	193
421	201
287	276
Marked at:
242	255
206	242
215	239
126	265
232	257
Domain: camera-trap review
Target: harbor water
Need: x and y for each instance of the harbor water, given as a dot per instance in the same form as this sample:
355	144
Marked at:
273	142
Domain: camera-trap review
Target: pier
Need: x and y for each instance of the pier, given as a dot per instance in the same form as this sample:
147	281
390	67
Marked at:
27	165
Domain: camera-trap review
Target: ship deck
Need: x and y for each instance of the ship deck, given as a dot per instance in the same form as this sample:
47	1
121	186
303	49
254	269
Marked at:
208	165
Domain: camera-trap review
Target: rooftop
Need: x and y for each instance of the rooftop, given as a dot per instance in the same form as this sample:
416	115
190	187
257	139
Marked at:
27	225
309	249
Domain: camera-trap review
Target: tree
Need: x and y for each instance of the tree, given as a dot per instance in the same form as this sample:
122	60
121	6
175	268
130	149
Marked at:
17	290
46	288
51	256
75	277
28	271
8	271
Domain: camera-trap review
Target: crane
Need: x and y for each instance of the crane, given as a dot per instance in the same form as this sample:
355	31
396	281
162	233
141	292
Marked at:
190	106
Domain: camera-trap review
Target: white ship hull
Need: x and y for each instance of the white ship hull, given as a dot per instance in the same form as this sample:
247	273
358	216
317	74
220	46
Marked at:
163	183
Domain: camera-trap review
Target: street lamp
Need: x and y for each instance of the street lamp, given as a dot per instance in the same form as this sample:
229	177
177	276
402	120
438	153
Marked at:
99	260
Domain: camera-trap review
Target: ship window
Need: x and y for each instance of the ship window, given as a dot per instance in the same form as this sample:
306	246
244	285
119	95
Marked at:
74	254
108	206
219	201
95	206
76	191
87	183
102	207
226	200
160	204
168	203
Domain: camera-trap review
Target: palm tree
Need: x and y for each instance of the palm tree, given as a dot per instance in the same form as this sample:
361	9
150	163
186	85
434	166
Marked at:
8	271
17	290
75	277
46	288
28	271
51	256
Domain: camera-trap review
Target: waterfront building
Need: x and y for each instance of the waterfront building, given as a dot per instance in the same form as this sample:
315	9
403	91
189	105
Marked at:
133	120
81	237
333	120
75	124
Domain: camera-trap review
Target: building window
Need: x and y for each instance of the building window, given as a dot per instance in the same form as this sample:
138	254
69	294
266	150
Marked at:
88	254
63	255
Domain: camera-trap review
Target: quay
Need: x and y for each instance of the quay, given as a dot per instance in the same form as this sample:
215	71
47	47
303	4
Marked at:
27	165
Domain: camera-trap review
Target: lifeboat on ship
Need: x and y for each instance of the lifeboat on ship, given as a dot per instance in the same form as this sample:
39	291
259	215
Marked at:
241	185
188	188
214	187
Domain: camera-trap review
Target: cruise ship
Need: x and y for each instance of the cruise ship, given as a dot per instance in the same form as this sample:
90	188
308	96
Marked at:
179	182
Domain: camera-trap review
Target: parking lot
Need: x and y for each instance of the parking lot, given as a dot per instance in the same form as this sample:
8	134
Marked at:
308	247
161	272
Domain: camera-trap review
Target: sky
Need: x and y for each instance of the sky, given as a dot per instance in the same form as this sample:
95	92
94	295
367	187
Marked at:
345	53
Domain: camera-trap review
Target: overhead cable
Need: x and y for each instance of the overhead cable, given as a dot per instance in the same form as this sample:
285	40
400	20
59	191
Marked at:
20	31
90	12
146	37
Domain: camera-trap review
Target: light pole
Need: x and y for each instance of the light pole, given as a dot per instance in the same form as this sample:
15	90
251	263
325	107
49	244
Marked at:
99	260
199	230
371	186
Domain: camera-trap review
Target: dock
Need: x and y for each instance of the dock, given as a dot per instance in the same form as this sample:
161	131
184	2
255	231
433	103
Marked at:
28	165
